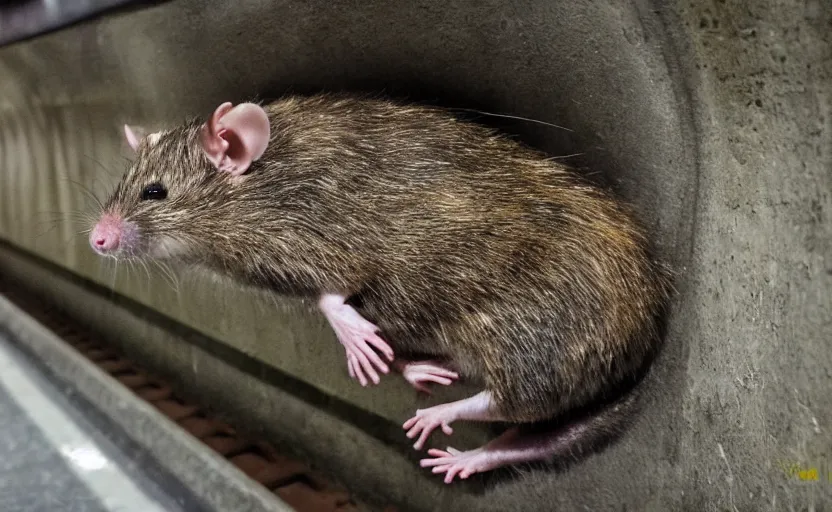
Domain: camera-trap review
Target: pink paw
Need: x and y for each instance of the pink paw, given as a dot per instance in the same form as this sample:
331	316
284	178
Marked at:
358	341
358	336
427	420
456	463
418	373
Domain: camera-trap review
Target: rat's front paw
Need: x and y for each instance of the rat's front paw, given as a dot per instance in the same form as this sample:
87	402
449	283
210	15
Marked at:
418	373
427	420
359	338
362	359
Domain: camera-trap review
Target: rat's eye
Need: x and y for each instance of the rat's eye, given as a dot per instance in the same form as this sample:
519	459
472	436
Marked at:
154	191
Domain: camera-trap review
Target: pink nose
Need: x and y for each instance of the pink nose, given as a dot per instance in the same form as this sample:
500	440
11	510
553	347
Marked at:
106	235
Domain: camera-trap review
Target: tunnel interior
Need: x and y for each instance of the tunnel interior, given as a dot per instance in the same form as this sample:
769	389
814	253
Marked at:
591	84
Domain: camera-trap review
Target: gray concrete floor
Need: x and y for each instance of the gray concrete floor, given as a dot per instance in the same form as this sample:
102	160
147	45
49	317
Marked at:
54	458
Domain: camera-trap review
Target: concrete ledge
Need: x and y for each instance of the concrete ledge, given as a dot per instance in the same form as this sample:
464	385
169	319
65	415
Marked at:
209	477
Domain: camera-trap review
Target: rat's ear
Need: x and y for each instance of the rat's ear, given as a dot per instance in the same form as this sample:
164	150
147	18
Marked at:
134	135
235	137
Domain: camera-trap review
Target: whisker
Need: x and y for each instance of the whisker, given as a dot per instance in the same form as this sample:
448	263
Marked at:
115	273
565	156
146	270
87	192
168	276
102	166
519	118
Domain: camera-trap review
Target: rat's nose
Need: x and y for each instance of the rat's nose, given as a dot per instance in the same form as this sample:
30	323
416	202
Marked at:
106	235
106	242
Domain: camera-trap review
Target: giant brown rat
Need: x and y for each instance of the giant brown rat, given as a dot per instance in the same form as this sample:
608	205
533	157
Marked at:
457	242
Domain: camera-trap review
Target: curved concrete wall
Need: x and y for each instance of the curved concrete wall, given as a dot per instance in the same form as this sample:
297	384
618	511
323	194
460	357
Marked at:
714	121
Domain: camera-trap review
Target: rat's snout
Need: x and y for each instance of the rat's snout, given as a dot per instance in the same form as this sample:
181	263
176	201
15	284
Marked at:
107	235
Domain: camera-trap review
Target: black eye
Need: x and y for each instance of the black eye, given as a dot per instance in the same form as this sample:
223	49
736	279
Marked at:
154	191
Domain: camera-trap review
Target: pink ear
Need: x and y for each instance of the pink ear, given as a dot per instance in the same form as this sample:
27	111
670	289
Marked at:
134	136
235	137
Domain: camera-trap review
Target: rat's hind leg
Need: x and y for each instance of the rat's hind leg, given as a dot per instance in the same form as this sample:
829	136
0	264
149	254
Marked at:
510	448
418	373
479	407
574	439
358	336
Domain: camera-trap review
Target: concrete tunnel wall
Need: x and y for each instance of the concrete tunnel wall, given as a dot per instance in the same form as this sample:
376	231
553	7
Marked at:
712	118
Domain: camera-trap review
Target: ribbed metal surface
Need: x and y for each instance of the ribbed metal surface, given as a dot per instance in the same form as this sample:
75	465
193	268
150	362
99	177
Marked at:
291	479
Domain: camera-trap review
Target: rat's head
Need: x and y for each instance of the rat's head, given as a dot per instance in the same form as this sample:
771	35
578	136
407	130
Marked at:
166	204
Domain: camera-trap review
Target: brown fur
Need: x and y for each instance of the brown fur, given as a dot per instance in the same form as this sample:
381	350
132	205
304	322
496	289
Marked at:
457	242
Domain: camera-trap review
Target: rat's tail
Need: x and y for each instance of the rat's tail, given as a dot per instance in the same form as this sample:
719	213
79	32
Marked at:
567	440
584	432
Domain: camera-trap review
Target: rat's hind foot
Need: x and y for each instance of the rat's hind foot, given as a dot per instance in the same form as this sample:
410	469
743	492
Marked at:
418	373
479	407
358	336
502	451
455	463
508	449
427	420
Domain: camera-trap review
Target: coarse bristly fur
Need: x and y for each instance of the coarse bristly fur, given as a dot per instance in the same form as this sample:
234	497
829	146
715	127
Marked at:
454	240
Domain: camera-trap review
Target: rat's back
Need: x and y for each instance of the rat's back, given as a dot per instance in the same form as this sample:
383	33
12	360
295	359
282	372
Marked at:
477	248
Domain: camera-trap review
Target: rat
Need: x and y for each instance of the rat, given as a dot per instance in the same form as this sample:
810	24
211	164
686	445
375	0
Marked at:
413	229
